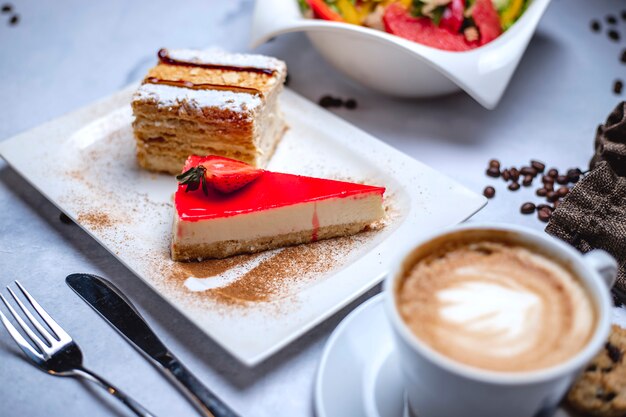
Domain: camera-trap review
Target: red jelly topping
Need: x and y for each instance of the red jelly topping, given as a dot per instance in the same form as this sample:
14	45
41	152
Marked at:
270	190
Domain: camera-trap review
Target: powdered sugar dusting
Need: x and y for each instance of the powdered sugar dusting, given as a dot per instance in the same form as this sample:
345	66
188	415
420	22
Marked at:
218	57
169	96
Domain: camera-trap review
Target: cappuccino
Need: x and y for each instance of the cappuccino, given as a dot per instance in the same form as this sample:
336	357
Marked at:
495	304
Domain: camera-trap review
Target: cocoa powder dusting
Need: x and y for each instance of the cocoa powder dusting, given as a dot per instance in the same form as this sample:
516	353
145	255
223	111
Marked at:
95	219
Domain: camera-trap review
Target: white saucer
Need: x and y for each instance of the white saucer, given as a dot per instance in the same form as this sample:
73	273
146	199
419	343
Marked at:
359	373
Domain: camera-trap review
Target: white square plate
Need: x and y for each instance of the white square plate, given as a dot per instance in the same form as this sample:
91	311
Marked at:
252	305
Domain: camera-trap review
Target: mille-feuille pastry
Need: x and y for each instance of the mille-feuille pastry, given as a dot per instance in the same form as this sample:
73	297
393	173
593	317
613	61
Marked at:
208	103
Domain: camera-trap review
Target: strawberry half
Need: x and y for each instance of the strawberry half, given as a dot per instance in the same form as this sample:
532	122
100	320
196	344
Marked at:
222	174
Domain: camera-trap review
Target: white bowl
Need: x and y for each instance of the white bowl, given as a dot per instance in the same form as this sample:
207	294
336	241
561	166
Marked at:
399	67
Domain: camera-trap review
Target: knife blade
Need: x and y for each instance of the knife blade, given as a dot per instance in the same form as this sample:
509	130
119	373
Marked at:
112	305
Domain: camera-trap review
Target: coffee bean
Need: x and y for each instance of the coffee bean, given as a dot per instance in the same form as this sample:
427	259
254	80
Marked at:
542	192
595	26
552	196
64	219
506	175
514	186
494	163
562	191
7	8
539	166
573	175
555	204
527	181
337	102
553	172
623	14
493	172
544	215
611	20
562	179
613	35
514	174
350	104
326	101
617	86
527	208
14	20
622	57
544	206
547	179
528	171
549	187
489	192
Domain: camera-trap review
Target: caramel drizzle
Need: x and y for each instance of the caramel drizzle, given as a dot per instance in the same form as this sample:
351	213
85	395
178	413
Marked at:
166	59
206	86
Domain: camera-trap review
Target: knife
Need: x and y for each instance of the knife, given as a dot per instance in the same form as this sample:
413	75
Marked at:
120	313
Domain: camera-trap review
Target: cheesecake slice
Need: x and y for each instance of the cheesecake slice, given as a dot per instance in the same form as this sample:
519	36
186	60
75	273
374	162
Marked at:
271	211
208	102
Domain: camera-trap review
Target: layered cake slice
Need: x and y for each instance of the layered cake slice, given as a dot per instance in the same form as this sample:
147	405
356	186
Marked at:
208	102
224	207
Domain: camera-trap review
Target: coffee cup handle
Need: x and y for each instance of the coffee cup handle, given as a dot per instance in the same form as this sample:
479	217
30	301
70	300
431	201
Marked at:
604	263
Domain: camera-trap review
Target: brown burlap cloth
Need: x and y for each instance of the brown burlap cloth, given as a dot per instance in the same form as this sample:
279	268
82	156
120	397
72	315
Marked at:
593	215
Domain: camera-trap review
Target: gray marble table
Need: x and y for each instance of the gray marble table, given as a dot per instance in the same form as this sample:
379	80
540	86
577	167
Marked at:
65	54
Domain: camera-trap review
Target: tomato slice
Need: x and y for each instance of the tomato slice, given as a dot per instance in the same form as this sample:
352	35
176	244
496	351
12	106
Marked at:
452	18
399	21
487	21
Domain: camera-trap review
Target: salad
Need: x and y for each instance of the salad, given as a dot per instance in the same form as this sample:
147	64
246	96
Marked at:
453	25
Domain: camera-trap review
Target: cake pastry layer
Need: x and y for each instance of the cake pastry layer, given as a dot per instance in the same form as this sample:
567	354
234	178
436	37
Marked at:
208	102
273	211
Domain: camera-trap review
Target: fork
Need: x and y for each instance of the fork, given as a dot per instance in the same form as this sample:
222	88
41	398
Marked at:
56	352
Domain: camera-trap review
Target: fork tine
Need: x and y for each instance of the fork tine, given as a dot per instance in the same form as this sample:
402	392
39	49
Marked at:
38	343
53	325
21	342
42	331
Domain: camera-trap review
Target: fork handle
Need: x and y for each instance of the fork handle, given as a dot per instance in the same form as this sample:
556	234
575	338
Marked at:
133	405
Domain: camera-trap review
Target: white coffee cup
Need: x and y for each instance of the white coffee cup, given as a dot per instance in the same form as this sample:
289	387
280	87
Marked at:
437	386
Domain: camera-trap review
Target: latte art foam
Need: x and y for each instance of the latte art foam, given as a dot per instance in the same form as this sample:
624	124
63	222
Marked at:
497	307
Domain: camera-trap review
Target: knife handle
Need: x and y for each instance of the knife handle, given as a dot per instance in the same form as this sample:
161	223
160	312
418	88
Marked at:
204	400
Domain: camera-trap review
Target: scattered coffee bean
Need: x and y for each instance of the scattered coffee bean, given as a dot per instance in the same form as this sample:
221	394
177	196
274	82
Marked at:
544	215
617	86
542	192
553	172
562	179
611	20
595	26
613	35
7	8
64	219
493	172
623	14
14	20
555	204
528	171
573	175
527	181
549	187
623	56
527	208
547	179
489	192
506	175
544	206
552	196
514	174
326	101
494	163
350	104
539	166
514	186
562	191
